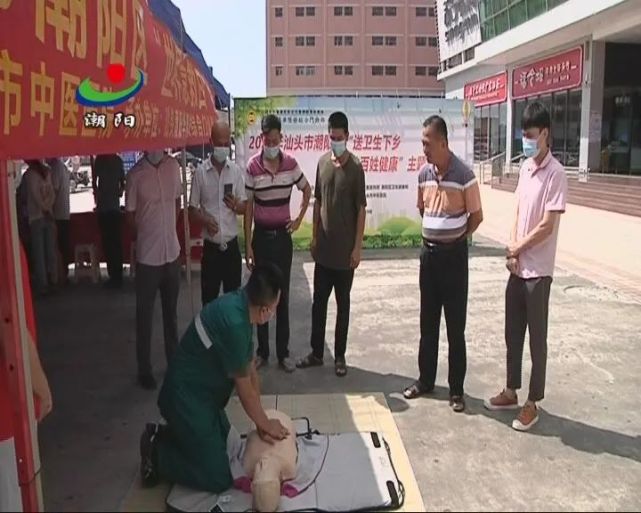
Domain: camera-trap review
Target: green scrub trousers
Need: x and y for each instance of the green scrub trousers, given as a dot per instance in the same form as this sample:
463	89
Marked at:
192	450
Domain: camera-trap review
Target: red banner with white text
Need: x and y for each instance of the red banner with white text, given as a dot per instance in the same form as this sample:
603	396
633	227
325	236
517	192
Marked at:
49	47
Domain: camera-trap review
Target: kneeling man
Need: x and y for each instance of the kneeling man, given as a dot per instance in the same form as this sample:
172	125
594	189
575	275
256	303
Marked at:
215	356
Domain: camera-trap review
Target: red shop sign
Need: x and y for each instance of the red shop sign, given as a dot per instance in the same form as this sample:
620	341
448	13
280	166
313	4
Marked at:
488	90
563	71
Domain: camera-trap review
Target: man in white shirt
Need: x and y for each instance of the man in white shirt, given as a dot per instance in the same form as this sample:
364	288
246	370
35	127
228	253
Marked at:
152	200
60	176
217	197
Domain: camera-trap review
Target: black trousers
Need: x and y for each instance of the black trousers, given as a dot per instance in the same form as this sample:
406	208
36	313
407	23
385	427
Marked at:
64	244
220	267
275	246
149	280
111	231
444	286
326	280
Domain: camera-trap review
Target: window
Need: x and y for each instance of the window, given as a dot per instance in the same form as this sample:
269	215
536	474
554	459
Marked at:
432	12
421	41
338	40
348	11
338	70
310	40
278	12
390	41
278	41
349	40
421	12
343	70
300	40
278	71
378	11
433	71
338	11
310	11
378	40
390	11
377	71
349	70
390	71
469	54
300	11
420	71
305	71
433	41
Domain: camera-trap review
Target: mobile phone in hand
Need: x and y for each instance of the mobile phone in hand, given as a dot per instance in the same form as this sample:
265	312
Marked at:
229	189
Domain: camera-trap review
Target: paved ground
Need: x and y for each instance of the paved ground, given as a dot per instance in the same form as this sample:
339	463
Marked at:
584	454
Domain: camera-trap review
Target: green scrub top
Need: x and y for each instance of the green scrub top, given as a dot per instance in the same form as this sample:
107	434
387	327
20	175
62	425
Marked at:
216	346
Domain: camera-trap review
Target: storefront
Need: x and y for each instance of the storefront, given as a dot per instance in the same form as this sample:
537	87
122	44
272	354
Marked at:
489	96
556	82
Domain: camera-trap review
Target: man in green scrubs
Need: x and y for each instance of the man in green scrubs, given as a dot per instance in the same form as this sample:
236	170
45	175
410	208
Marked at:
214	356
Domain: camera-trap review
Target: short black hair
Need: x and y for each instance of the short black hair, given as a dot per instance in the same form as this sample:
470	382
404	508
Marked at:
438	123
338	120
264	284
535	115
269	123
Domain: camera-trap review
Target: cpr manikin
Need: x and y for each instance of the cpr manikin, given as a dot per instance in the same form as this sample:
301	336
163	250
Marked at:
269	465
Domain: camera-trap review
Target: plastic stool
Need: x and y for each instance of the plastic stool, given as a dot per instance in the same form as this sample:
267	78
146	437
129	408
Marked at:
86	262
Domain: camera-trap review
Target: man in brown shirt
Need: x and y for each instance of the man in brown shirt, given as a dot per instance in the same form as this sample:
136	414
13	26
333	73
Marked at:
339	223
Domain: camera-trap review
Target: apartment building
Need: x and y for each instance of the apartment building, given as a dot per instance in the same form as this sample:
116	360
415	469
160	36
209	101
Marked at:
352	47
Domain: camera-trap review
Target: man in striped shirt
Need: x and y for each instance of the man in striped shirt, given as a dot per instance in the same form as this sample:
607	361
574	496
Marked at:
271	176
449	202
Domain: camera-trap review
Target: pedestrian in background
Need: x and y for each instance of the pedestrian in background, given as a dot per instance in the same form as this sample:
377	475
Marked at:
449	202
216	200
42	227
152	202
337	239
271	176
108	182
541	194
60	177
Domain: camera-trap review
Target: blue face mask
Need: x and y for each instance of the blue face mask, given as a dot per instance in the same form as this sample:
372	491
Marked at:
271	152
530	147
338	148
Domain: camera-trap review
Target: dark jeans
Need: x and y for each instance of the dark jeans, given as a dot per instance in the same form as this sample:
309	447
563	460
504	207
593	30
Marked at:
149	279
275	246
443	283
526	306
220	267
111	231
340	281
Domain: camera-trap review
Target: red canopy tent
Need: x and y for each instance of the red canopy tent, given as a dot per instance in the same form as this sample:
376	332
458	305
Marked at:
47	48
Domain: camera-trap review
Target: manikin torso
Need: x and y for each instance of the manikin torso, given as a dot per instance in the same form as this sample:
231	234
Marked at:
268	465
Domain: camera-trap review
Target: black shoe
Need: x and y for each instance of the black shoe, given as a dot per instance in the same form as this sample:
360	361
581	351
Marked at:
148	464
147	382
457	402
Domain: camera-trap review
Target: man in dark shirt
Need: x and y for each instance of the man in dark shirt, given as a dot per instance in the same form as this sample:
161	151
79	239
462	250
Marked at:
339	223
108	179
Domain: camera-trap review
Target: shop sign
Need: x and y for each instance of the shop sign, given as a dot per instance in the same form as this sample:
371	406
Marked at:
557	73
459	26
488	90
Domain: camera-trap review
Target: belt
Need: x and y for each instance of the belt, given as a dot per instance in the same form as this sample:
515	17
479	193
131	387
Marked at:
271	230
222	246
444	246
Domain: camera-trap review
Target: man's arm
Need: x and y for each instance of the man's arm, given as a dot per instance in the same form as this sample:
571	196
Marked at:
307	195
474	221
250	399
253	373
473	205
515	225
360	228
539	234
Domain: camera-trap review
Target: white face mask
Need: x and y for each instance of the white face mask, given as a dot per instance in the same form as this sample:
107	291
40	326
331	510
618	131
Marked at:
155	156
220	154
271	152
338	148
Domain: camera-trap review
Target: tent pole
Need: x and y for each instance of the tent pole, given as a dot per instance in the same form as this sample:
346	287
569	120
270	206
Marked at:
15	340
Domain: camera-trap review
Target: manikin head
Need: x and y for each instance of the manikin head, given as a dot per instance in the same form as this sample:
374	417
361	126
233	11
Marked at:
266	483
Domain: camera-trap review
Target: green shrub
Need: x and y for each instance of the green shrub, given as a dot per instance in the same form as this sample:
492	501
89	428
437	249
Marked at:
396	225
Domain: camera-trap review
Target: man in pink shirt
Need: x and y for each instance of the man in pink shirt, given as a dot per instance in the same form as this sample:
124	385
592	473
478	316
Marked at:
152	200
541	195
